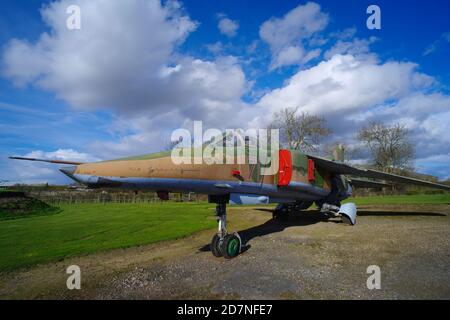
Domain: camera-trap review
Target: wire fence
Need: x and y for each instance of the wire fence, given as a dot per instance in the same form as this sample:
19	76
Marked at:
94	196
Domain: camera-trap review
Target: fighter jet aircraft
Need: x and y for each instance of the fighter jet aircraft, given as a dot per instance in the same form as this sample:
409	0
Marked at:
300	181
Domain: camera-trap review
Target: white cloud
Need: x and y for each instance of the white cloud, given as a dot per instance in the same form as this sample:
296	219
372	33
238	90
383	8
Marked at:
288	56
227	26
215	48
62	154
356	47
437	124
344	34
345	84
293	55
83	65
124	58
284	35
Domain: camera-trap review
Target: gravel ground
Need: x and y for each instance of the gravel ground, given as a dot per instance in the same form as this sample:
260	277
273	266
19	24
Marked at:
306	257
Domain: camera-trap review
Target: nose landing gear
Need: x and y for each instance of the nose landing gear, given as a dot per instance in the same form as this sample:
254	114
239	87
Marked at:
223	243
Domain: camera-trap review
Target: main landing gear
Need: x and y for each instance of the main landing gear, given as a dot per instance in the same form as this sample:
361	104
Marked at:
223	243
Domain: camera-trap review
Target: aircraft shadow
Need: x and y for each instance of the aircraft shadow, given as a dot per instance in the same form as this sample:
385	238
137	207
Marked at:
305	219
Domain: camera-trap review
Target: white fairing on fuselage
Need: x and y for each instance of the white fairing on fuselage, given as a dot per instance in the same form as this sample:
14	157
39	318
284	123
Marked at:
348	210
254	199
238	198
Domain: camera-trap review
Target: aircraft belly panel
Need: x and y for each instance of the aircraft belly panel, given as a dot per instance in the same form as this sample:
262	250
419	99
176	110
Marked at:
195	185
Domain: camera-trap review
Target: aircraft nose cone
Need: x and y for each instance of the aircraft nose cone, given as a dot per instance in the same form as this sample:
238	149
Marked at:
68	170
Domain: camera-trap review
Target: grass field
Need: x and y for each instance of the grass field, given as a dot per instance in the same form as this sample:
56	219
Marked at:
86	228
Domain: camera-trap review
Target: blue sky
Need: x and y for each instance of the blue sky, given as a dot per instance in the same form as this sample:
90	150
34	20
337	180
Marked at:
138	69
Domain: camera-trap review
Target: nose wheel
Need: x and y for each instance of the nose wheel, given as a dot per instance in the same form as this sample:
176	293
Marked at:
224	244
231	246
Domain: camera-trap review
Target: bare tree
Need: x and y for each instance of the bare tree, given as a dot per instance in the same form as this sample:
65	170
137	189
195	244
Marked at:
302	132
389	147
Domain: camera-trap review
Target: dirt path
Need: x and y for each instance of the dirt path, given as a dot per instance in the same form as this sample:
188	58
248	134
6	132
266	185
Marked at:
305	257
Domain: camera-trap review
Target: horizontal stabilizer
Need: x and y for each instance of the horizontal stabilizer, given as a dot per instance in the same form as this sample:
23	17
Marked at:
46	160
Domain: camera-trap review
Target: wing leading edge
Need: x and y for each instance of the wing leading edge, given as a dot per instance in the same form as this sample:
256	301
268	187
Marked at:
342	168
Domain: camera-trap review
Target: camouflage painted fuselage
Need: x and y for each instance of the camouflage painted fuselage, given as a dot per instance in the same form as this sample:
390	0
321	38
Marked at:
243	182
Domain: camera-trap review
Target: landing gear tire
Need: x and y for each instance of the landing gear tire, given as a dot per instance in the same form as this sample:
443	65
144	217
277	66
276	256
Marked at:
216	246
231	246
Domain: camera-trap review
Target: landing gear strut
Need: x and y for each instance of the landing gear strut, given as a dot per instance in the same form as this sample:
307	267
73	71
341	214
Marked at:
223	243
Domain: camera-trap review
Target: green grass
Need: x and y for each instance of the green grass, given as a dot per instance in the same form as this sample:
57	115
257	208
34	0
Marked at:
86	228
403	199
